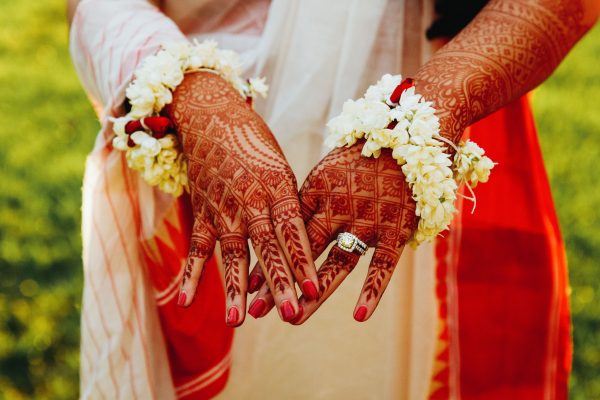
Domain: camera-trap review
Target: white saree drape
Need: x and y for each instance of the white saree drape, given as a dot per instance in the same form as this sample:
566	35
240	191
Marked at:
315	55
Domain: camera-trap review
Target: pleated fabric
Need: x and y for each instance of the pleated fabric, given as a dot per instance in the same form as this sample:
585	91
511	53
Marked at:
137	344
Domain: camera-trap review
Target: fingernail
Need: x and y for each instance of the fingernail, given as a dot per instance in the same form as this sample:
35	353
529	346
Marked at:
287	311
298	316
257	308
310	290
182	298
233	316
254	283
360	313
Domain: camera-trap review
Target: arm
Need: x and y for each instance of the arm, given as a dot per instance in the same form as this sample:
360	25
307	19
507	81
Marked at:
242	188
256	197
508	49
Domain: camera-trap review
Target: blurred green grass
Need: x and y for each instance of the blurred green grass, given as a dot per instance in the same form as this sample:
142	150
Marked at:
47	127
568	117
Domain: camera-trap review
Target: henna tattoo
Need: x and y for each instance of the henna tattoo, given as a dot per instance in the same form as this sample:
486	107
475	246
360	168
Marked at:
364	182
336	179
339	205
390	212
374	203
338	261
238	177
320	236
298	257
507	50
201	248
379	274
234	249
393	186
263	236
365	209
286	212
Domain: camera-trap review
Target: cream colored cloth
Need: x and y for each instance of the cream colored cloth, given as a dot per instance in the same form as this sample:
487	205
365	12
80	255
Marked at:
315	55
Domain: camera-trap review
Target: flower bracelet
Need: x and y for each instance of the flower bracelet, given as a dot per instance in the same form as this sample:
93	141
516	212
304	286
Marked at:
391	115
149	138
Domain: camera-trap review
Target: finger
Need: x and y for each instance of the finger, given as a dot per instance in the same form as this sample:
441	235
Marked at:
262	303
320	234
275	267
202	246
331	274
380	271
293	239
236	259
309	201
255	279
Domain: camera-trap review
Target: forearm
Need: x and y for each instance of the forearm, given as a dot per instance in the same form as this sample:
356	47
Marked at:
507	50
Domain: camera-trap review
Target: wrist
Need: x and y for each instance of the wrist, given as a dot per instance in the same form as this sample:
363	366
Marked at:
453	120
395	115
447	101
163	76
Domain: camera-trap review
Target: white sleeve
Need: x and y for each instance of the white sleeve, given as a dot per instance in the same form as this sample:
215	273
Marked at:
109	38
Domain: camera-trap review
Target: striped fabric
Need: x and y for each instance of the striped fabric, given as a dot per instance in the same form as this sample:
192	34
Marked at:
501	273
135	342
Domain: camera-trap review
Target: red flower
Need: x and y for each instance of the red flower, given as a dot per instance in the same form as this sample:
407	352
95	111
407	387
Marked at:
133	126
405	84
158	125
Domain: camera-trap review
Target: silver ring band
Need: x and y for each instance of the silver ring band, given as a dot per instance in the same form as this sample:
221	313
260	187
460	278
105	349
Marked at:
350	243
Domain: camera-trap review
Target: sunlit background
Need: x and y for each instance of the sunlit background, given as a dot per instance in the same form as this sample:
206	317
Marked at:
47	127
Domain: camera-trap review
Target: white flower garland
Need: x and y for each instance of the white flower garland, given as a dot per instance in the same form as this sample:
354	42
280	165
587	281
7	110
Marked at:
408	125
159	157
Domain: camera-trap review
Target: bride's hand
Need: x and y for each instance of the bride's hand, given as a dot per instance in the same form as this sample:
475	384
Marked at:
242	187
367	197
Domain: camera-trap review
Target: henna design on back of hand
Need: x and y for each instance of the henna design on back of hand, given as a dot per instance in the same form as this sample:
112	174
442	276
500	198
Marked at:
368	197
242	186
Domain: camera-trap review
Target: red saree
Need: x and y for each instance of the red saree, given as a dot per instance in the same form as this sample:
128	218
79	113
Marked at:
197	340
510	275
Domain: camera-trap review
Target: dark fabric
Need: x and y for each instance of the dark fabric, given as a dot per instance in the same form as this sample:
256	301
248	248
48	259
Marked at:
453	16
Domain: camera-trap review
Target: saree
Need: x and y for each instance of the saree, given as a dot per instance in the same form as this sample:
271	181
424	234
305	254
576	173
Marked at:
434	330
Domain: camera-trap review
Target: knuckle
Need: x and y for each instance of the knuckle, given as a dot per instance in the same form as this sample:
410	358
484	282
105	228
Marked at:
260	228
201	249
384	259
285	209
234	244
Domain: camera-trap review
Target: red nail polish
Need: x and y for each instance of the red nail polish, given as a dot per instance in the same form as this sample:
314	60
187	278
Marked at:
310	290
182	298
255	282
360	313
257	308
232	316
298	316
287	311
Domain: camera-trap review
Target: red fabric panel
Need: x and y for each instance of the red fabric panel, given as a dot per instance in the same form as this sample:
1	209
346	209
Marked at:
512	281
196	337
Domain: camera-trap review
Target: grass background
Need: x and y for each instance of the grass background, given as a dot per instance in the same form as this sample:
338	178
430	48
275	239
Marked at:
47	127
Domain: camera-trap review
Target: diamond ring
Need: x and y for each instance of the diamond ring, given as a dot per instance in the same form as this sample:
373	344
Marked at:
350	243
